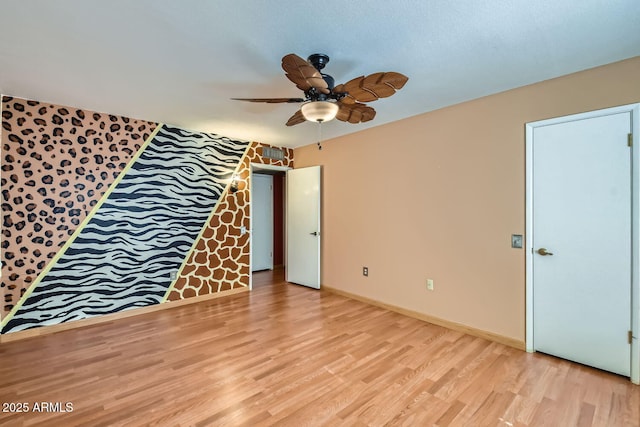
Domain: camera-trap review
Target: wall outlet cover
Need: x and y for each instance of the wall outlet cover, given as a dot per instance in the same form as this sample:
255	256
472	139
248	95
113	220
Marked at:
430	284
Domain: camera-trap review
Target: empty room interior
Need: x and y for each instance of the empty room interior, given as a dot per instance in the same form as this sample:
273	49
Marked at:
416	213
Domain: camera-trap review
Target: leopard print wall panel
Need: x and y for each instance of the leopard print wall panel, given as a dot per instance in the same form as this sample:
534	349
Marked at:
219	260
57	162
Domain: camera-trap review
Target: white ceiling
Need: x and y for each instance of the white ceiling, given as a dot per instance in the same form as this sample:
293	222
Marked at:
180	62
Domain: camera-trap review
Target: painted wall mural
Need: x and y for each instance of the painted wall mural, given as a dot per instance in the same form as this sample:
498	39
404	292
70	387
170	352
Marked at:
156	208
220	260
57	162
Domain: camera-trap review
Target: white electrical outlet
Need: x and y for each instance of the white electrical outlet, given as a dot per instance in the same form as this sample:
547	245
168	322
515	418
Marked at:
430	284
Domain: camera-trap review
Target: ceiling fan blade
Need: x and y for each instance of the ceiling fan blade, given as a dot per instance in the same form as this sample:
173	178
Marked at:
372	87
355	113
303	74
271	100
296	119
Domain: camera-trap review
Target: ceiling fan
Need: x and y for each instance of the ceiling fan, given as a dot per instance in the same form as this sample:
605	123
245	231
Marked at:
323	101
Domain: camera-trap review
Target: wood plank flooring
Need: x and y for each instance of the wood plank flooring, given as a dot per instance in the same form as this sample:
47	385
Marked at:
291	356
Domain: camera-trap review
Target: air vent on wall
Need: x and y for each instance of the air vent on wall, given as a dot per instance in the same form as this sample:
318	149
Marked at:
273	153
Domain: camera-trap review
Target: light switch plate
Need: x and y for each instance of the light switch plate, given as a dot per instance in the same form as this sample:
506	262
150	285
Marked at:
516	241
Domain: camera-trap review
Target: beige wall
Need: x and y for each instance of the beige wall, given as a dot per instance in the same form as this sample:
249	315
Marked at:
438	196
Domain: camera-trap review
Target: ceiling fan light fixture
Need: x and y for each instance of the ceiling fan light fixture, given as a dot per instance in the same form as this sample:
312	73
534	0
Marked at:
324	100
319	111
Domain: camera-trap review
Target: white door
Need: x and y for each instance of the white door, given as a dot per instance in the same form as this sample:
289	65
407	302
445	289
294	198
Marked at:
303	226
581	240
262	222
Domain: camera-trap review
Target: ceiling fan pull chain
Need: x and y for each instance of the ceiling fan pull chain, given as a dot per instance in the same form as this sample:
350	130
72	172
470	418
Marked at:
320	135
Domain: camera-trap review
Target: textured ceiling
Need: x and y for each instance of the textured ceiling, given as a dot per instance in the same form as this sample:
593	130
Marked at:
180	62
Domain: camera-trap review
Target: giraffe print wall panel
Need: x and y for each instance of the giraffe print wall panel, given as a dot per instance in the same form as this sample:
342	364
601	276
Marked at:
220	259
57	162
123	257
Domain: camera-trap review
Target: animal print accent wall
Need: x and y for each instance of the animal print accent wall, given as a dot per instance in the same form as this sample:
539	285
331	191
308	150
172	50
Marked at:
220	260
170	210
57	162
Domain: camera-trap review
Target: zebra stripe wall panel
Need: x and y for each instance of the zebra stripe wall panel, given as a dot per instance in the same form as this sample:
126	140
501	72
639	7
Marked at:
157	215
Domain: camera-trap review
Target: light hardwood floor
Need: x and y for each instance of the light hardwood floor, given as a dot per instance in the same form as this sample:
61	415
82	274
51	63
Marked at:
288	355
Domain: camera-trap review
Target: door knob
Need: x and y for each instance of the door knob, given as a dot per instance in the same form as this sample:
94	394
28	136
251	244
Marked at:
544	252
315	233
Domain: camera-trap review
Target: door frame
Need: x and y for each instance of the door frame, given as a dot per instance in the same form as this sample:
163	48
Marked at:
634	109
257	167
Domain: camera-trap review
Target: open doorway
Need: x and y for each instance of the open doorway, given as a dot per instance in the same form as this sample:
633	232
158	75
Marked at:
267	210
